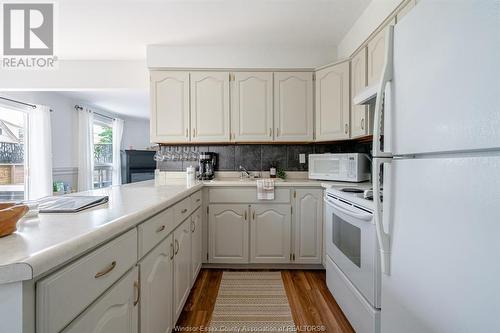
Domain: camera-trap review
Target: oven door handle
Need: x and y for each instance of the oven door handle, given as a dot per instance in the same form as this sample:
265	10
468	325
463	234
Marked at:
364	217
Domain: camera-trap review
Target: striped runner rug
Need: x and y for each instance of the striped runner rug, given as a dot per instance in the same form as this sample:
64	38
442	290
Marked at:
252	302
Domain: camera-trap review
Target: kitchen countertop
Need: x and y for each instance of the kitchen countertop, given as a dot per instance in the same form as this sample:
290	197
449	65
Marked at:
50	240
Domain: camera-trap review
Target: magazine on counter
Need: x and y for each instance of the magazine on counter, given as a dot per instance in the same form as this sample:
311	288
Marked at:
70	204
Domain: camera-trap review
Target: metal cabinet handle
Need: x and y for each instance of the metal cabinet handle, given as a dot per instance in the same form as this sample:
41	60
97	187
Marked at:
346	128
253	215
363	123
187	133
177	246
270	132
277	131
245	215
137	289
184	211
160	229
106	271
198	200
192	226
172	251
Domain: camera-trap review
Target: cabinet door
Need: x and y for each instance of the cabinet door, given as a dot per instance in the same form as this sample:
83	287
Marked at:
210	106
376	56
360	120
332	103
196	243
405	9
270	233
252	107
182	266
114	312
169	106
293	106
156	271
228	234
308	224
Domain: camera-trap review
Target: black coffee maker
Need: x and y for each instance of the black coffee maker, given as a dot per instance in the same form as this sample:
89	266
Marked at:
207	162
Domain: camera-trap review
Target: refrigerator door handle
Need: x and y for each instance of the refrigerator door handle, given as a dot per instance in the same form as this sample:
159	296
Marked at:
387	74
379	216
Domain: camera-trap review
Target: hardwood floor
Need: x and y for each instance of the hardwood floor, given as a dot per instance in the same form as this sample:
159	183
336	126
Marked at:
310	301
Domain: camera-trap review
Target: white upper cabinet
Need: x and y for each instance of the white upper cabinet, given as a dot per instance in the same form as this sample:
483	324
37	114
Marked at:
252	107
332	102
228	229
210	107
169	106
376	56
360	120
293	106
308	225
156	272
270	233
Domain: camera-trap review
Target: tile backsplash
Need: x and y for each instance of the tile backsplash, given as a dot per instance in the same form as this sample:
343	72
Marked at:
260	157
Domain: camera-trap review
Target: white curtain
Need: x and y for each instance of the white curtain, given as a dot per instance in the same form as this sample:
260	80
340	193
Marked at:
117	142
85	150
39	153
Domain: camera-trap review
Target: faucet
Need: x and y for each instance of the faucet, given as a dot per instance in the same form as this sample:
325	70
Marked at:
244	172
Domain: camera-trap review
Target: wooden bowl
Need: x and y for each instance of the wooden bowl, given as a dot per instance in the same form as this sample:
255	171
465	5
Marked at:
4	205
9	217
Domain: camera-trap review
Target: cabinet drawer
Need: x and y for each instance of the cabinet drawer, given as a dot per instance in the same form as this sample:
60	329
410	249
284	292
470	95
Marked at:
246	195
115	311
182	209
61	296
195	200
152	231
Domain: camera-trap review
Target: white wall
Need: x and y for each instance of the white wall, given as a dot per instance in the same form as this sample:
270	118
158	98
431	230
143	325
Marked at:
135	133
64	122
221	56
79	74
376	12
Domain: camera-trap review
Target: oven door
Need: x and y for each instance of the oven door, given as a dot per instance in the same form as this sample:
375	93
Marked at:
351	243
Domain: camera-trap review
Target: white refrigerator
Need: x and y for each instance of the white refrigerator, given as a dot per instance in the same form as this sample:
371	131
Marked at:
438	226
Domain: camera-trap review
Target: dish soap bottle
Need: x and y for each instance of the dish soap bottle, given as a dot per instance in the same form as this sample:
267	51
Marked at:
272	170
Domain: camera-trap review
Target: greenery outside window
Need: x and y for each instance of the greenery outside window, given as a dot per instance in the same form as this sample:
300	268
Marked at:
103	153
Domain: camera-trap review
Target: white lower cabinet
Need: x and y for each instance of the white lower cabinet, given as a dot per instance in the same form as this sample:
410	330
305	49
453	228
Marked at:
156	272
270	233
116	311
228	233
196	244
308	226
182	266
288	229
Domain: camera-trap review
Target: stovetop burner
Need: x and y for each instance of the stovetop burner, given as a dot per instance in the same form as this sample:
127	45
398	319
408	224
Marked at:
352	190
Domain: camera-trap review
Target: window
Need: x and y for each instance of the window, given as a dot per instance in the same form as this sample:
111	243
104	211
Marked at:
103	153
12	154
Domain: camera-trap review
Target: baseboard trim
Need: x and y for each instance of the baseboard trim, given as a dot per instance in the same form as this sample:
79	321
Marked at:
264	266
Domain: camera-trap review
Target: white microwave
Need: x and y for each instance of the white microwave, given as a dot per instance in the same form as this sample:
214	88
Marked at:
353	167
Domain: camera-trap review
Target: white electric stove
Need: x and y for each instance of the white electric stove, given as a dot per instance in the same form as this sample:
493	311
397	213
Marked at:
352	260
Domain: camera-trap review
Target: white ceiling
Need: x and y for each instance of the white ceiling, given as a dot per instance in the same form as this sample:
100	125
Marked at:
121	29
132	103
